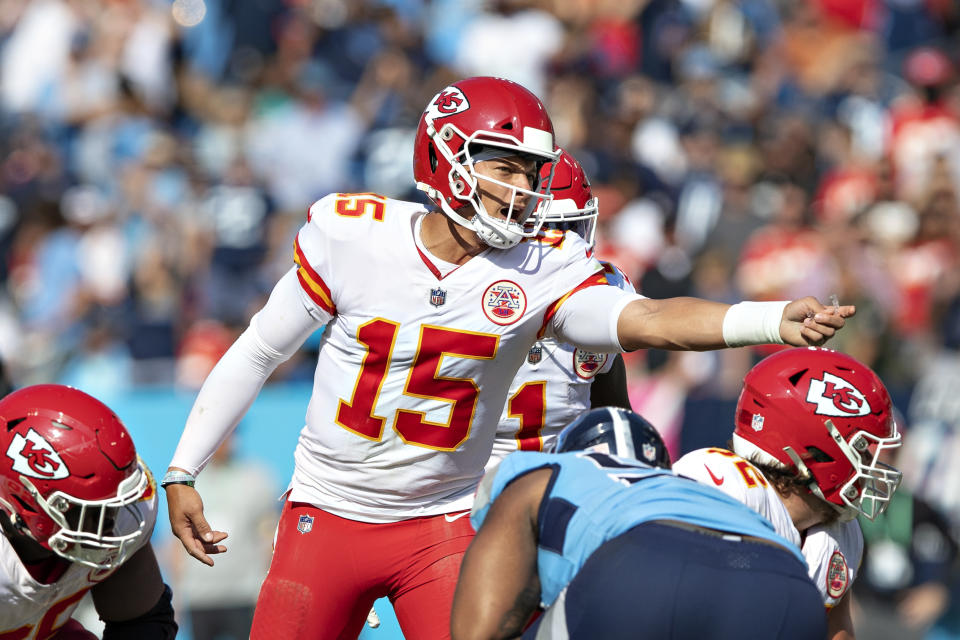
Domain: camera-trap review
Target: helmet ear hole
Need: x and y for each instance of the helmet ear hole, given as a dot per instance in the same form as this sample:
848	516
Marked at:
818	455
24	505
432	155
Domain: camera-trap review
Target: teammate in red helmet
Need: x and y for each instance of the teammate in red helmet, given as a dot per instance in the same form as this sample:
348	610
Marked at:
811	428
77	507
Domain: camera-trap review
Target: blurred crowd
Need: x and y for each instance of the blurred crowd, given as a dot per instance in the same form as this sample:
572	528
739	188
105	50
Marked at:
157	158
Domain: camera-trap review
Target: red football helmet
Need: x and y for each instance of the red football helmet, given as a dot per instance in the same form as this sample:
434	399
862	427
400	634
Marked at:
574	205
480	119
70	477
826	416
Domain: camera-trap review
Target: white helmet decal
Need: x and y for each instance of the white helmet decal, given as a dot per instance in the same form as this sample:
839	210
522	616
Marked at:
447	103
834	396
33	456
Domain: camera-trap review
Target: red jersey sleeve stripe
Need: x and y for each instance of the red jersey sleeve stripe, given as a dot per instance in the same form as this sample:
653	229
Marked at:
311	281
596	279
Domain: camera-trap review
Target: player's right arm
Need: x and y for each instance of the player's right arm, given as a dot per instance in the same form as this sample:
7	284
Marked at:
499	586
274	334
300	303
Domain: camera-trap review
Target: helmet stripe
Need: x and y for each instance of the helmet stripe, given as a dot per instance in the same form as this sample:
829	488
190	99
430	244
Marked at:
622	434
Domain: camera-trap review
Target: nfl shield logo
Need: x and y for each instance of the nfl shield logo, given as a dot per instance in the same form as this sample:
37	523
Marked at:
756	423
649	452
437	296
305	525
535	355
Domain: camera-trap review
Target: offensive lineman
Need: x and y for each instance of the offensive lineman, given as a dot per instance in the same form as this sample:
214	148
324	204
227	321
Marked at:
77	507
616	546
811	428
428	314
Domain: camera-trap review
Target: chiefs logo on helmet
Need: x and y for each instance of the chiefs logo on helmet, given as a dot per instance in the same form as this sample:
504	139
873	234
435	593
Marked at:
33	456
834	396
447	103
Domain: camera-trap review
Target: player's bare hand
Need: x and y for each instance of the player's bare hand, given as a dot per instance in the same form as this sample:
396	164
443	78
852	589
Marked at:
185	509
808	323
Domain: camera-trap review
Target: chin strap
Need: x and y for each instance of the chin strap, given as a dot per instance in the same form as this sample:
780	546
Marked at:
488	233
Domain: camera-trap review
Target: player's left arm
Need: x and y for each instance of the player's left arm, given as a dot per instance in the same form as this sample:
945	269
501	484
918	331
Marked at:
698	325
629	321
839	620
499	588
134	603
610	389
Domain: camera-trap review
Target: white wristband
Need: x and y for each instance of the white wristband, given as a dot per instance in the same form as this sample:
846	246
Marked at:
747	323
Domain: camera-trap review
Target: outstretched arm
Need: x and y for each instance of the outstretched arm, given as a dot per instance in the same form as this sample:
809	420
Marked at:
499	589
605	319
699	325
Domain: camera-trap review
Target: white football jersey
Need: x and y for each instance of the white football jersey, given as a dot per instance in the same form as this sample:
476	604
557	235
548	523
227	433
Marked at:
832	553
833	556
551	388
30	610
739	479
417	356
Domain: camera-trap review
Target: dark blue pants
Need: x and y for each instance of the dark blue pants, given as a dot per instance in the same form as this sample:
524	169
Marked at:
662	582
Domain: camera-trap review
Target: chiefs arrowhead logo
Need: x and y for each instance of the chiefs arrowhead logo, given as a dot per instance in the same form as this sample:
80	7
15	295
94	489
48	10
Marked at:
834	396
448	102
33	456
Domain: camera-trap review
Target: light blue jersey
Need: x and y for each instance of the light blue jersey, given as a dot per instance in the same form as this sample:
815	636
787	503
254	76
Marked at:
594	497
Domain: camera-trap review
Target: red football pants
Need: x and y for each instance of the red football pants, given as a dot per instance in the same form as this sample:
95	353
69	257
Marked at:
323	581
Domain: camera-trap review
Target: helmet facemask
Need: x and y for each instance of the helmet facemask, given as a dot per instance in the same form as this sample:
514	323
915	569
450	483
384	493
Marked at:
97	533
466	184
869	491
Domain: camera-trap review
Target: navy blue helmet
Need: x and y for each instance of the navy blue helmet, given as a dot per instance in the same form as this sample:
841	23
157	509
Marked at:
616	431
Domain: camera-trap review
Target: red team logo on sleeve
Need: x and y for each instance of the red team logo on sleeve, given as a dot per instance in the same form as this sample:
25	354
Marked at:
504	302
587	364
837	578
